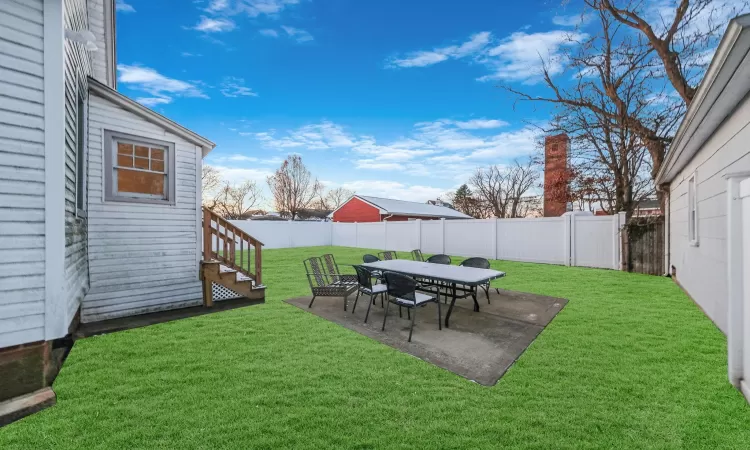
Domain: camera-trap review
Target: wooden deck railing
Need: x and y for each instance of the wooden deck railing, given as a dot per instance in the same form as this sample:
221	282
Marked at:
231	246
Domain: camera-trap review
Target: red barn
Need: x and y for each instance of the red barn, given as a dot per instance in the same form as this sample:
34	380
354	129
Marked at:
361	208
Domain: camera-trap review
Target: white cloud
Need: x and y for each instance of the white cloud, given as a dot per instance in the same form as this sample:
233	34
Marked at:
234	175
573	20
188	54
123	7
394	189
217	5
475	45
269	32
521	56
297	34
217	25
322	136
160	88
235	87
481	124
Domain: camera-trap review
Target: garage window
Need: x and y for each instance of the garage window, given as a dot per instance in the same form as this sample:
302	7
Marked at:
140	170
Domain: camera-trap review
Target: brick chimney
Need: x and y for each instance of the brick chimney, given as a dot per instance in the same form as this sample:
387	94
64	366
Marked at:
555	175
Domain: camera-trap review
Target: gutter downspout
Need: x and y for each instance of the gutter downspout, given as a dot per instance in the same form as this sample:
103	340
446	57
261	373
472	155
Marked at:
735	284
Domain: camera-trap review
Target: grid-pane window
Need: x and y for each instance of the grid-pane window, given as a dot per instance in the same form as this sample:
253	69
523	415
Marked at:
140	169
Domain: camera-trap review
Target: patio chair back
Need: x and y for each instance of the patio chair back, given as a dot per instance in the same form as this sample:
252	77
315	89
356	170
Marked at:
368	258
478	263
416	255
401	286
439	259
315	272
364	277
388	255
331	265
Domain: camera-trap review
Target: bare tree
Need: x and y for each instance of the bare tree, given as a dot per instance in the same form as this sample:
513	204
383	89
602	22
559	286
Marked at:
501	191
293	187
628	78
680	32
332	199
210	182
337	197
237	202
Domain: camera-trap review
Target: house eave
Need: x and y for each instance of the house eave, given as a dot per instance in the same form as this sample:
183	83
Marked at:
131	105
726	83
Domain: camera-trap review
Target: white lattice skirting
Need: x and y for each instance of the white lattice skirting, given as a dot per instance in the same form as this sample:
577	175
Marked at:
222	293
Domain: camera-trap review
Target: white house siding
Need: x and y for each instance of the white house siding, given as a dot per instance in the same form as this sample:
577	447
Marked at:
701	270
142	257
77	68
22	177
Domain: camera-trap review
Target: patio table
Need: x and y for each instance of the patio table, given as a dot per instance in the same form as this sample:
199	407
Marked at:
449	274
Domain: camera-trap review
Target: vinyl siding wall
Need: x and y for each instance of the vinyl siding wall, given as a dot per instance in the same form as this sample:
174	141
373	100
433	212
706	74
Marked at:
22	261
77	68
142	257
701	270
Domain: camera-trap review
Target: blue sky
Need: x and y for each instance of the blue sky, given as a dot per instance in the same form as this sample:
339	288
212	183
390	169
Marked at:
389	98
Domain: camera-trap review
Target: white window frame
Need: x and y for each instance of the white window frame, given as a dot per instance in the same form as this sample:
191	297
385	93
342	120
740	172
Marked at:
692	209
110	149
81	145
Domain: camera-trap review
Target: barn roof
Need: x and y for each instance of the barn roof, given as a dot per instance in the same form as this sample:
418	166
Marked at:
404	208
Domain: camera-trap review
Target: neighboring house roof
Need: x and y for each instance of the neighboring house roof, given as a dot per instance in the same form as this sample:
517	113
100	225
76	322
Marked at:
136	108
403	208
725	84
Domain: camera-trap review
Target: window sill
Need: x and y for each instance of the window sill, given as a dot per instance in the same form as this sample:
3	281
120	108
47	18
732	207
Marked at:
141	201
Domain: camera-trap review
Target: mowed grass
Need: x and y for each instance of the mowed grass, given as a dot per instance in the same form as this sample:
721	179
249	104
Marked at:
630	362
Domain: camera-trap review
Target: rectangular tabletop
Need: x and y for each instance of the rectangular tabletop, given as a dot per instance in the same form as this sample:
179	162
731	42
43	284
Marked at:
471	276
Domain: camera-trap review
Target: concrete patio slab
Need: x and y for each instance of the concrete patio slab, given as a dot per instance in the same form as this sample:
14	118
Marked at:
480	346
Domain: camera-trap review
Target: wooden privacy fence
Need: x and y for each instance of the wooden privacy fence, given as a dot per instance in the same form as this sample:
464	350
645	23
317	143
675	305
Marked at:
644	252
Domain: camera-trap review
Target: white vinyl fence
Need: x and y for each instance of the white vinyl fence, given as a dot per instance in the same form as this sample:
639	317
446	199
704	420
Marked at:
576	240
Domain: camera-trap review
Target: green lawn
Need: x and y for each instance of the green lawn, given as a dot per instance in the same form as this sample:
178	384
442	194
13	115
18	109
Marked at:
630	362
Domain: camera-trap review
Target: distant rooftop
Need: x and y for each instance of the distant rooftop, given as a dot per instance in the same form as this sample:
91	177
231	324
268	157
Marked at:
402	207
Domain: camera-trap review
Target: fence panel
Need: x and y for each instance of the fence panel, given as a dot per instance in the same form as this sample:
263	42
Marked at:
541	240
310	234
344	234
401	236
646	245
371	235
431	236
469	238
593	243
273	234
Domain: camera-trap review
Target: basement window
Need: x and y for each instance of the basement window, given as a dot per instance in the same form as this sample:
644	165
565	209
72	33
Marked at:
140	170
693	211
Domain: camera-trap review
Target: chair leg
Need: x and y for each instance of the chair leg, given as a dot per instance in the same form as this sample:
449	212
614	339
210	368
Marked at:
356	299
497	290
440	315
345	303
413	316
399	312
369	305
311	302
487	292
408	313
385	316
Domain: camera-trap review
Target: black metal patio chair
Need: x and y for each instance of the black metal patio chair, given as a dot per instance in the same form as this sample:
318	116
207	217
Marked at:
332	269
322	285
480	263
439	259
416	255
365	286
368	258
389	255
402	290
